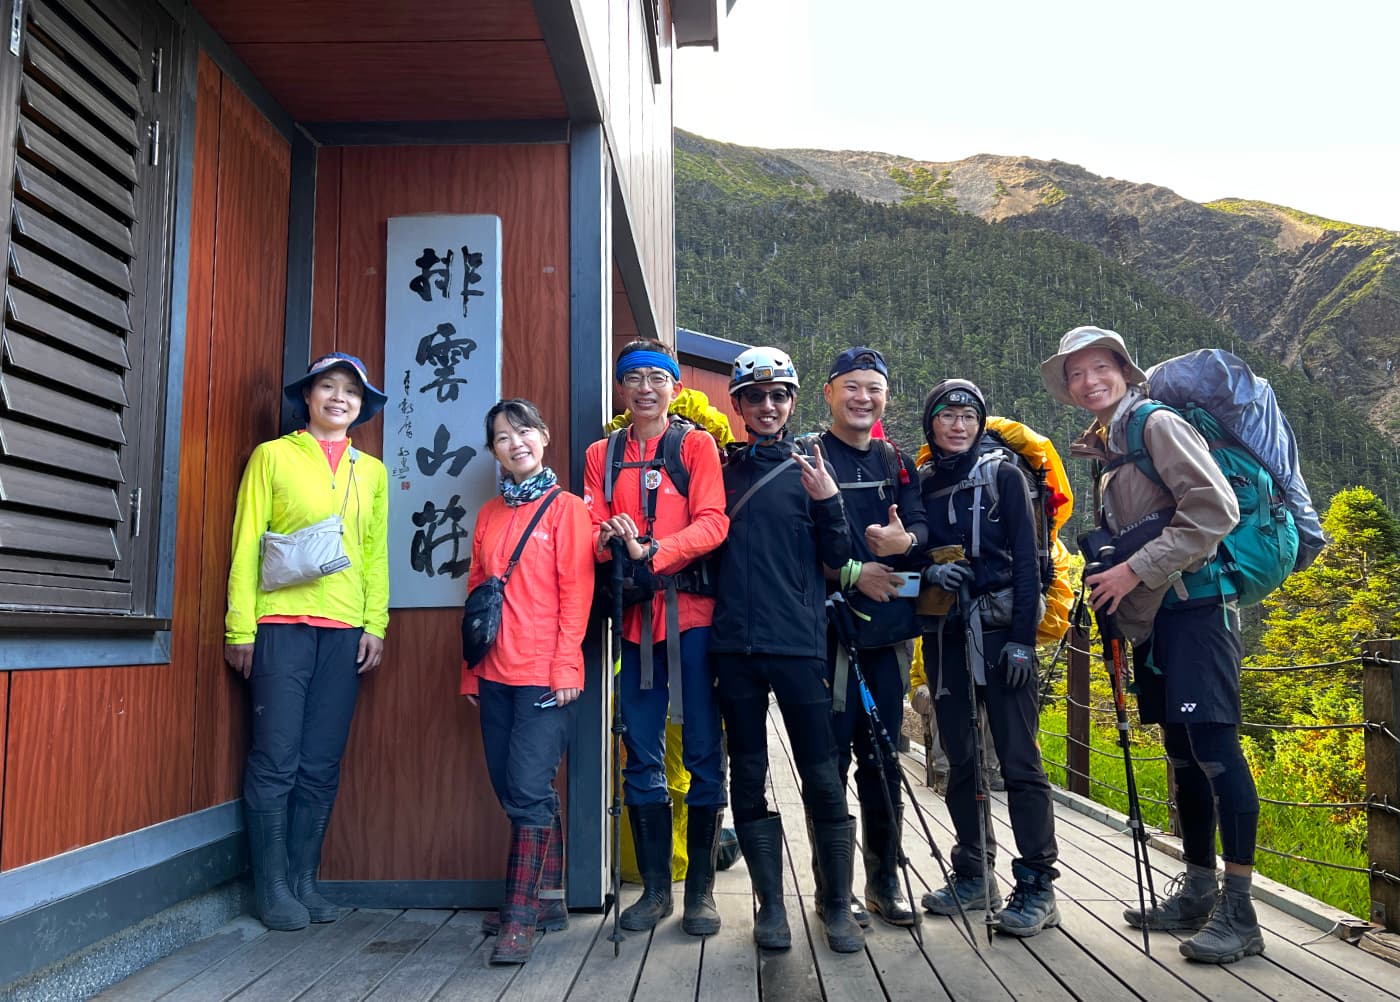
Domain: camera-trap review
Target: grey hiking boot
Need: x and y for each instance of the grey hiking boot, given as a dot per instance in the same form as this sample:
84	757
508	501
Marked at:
1031	905
1232	932
972	892
1191	897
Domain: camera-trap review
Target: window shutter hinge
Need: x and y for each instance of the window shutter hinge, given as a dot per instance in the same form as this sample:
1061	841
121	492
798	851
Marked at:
136	513
16	25
155	143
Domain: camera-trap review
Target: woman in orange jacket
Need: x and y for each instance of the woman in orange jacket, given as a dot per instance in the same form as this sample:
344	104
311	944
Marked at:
526	684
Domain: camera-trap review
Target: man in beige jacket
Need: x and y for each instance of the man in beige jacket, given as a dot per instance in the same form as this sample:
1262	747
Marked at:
1186	650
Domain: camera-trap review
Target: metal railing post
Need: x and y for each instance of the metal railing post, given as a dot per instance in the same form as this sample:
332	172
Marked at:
1077	712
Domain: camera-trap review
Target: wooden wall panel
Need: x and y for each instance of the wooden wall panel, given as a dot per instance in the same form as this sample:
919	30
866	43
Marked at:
638	118
409	81
93	753
325	278
240	21
242	399
415	801
4	719
714	385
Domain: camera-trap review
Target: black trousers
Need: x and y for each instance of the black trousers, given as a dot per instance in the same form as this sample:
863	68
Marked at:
304	685
888	683
1013	716
744	682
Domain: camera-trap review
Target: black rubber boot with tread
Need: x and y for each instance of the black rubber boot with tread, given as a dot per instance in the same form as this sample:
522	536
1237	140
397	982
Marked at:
651	837
701	917
762	845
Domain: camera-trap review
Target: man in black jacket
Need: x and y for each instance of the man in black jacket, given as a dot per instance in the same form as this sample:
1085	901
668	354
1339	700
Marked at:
885	515
769	634
980	502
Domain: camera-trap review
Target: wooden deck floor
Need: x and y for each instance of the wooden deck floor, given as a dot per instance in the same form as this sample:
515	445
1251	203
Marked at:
441	955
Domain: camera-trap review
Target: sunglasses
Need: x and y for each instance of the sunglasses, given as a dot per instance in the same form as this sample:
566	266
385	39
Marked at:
780	395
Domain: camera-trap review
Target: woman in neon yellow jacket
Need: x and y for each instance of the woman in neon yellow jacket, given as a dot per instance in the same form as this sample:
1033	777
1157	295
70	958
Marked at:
304	646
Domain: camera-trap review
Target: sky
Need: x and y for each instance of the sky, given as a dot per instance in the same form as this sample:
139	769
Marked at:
1286	102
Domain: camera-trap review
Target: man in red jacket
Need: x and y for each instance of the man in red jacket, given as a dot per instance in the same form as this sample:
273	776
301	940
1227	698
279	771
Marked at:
632	494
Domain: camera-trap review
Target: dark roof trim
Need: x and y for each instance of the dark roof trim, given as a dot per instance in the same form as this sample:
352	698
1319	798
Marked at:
696	22
708	348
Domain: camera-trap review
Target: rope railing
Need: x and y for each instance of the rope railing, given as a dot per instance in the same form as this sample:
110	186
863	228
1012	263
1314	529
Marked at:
1080	746
1108	786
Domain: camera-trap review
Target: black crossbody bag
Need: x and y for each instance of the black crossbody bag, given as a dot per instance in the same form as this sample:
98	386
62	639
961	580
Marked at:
481	616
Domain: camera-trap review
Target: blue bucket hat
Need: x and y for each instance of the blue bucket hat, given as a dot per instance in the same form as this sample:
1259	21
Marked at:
374	398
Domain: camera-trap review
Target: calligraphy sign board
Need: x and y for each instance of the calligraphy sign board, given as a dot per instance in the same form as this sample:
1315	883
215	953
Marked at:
442	372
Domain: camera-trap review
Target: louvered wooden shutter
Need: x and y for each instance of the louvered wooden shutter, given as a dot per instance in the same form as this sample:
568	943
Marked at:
84	340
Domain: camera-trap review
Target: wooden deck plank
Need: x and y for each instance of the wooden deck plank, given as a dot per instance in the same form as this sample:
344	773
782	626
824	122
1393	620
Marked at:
246	965
475	980
672	968
1209	980
421	974
729	970
904	970
1340	972
360	972
170	972
556	961
604	976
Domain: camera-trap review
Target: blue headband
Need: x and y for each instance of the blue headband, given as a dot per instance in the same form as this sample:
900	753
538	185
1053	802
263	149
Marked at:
643	358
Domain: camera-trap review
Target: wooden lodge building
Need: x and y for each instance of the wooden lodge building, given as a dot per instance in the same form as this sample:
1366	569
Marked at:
198	203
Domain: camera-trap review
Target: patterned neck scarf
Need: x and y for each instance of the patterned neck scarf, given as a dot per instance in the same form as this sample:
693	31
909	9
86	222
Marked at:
532	489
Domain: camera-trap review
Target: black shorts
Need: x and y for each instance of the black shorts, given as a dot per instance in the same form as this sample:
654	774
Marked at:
1196	655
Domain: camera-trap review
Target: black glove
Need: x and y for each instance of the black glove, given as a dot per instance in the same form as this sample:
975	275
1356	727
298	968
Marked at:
949	577
1017	664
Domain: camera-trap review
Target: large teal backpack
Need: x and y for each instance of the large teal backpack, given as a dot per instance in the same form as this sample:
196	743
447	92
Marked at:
1262	549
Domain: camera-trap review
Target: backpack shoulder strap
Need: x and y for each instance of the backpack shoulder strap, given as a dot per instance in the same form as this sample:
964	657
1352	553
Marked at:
1137	446
617	448
671	441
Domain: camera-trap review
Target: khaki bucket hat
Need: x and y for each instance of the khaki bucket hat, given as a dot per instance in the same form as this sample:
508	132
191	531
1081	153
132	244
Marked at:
1052	370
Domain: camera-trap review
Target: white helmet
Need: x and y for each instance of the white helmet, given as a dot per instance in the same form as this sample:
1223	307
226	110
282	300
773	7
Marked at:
762	365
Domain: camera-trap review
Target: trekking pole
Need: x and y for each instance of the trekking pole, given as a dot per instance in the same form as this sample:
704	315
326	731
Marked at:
879	734
1116	663
619	554
979	753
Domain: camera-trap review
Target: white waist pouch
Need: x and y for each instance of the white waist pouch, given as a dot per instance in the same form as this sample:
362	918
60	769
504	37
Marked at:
313	552
304	555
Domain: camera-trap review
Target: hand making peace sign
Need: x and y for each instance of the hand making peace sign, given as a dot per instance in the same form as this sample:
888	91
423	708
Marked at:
815	479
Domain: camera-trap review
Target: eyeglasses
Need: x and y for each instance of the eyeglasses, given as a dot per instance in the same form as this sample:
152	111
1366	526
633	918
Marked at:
779	395
656	380
951	418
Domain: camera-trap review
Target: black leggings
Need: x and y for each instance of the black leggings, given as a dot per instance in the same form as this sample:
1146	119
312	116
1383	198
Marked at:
743	683
1212	780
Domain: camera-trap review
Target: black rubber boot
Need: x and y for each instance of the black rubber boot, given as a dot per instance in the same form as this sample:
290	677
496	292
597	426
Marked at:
1190	899
701	917
1232	932
651	836
858	911
884	895
833	845
306	830
762	845
267	844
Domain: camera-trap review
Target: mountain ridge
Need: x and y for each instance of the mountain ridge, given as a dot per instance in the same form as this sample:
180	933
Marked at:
1320	295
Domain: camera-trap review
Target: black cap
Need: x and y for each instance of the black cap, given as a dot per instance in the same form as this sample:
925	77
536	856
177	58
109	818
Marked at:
857	358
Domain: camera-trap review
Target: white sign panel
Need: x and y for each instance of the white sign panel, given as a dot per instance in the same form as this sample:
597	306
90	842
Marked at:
442	372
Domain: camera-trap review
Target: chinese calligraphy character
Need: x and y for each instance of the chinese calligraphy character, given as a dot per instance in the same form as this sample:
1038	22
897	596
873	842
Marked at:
426	539
430	460
430	276
470	262
401	467
444	350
